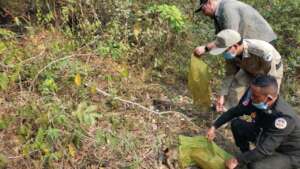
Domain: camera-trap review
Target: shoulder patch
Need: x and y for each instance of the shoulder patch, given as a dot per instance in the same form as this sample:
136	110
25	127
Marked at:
280	123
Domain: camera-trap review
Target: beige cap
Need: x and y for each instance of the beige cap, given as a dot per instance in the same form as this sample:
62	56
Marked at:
224	40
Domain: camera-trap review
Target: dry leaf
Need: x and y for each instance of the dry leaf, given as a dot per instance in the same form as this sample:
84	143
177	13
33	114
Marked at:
93	89
72	150
77	80
137	29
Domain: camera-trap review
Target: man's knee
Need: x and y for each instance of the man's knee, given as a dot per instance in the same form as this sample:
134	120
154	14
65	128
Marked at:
277	161
239	128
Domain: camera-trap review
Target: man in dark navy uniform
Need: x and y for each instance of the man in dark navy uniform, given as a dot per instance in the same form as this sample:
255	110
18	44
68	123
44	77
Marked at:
274	128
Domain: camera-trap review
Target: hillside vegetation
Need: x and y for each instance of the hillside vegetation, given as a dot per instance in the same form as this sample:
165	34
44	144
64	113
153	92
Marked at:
103	84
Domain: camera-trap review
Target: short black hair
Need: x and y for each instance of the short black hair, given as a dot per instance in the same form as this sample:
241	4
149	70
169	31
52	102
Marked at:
202	2
268	82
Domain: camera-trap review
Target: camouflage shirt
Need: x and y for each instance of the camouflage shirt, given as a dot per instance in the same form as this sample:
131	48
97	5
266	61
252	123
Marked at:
259	57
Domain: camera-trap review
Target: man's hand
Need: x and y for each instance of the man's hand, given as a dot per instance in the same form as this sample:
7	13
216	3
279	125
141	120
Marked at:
220	104
198	51
231	163
211	134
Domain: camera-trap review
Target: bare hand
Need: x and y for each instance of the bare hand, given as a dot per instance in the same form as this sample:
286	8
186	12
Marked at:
198	51
231	163
211	45
220	104
211	134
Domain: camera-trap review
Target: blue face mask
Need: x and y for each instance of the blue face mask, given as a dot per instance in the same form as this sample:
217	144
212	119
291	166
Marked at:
261	105
228	55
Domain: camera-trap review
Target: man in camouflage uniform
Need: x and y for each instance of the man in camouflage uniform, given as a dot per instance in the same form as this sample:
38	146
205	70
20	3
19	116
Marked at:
247	58
274	128
236	15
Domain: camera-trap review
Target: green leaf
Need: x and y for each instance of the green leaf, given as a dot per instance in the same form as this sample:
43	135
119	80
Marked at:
90	109
53	133
4	80
55	156
48	86
3	124
86	114
100	137
61	119
6	33
3	161
112	140
124	72
2	47
40	135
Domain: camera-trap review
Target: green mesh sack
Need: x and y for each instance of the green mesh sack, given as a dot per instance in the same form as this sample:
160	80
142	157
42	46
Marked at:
201	152
198	83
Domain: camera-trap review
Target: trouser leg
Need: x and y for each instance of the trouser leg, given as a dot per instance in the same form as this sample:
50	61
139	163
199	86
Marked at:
243	133
237	89
276	161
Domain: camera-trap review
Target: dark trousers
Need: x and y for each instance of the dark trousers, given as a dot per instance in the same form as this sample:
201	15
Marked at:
245	132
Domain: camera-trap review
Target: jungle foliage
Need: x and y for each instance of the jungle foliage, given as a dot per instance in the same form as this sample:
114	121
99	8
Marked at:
56	54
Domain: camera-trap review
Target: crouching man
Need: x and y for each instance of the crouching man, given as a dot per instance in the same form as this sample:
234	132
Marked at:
274	128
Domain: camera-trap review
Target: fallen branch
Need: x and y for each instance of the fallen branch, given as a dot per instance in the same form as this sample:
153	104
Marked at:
125	101
32	58
145	108
182	115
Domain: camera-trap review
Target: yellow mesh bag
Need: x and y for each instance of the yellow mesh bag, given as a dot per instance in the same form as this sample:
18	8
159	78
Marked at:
201	152
198	83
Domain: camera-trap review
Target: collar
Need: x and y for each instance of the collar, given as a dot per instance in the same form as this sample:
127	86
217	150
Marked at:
275	103
218	7
245	51
271	109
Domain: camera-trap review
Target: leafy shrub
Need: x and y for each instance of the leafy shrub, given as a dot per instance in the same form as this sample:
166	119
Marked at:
171	14
86	114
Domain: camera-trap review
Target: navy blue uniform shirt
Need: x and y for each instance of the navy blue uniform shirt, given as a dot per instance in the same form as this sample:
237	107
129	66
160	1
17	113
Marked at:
279	125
